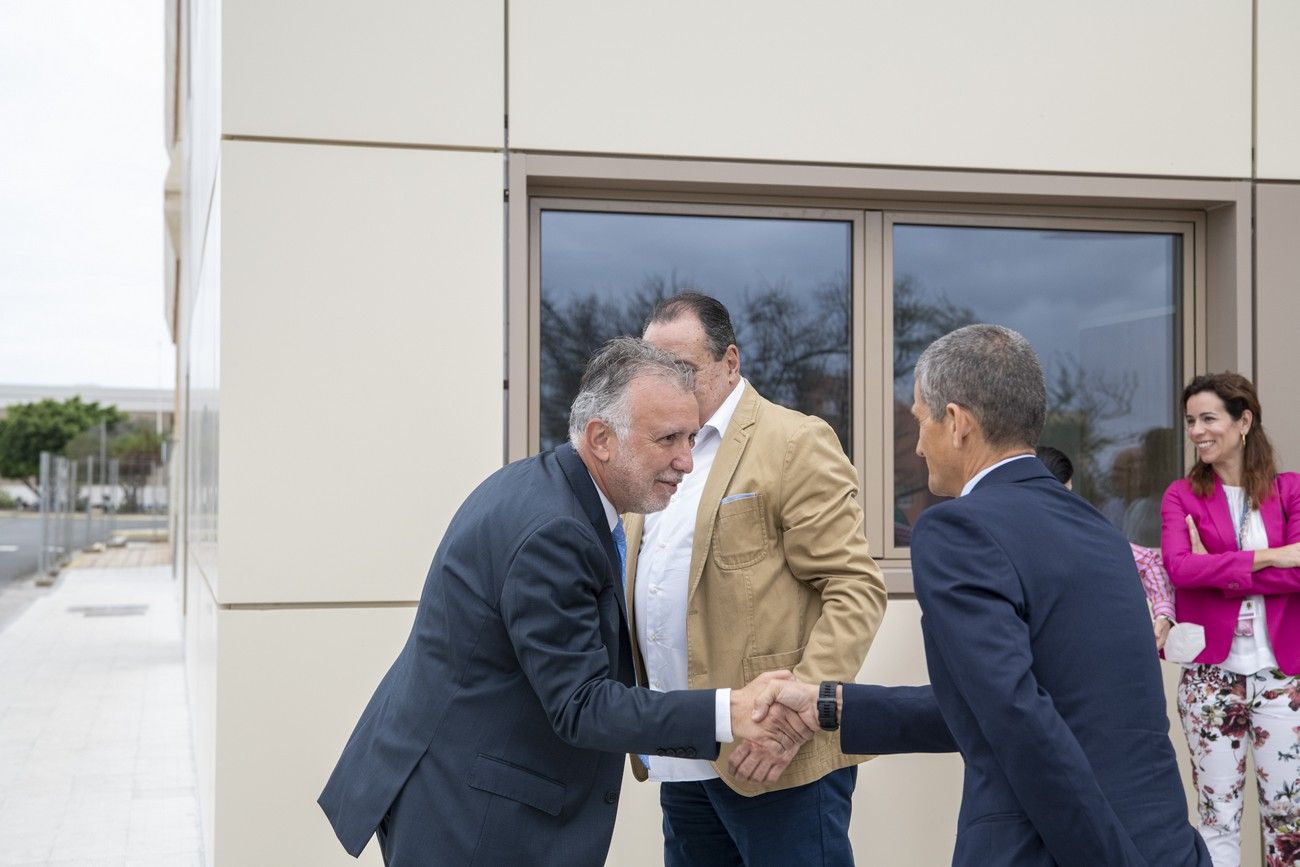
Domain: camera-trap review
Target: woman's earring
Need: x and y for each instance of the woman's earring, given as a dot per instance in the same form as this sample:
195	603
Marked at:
1243	439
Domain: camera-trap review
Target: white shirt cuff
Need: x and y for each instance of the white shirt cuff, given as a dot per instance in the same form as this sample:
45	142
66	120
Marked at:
722	717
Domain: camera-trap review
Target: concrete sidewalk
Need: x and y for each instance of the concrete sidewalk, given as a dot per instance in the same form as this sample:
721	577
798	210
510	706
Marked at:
96	762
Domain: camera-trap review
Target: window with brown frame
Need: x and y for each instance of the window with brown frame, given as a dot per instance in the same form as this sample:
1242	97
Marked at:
832	308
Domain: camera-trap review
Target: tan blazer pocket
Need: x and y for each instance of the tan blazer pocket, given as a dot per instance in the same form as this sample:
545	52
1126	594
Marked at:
753	666
740	535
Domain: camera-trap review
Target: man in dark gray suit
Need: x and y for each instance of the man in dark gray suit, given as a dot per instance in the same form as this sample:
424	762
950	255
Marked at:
498	735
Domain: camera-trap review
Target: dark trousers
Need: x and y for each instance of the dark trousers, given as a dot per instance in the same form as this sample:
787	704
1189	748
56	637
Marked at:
706	824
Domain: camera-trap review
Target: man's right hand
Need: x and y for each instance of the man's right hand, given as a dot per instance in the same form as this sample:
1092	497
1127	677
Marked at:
770	741
795	696
788	711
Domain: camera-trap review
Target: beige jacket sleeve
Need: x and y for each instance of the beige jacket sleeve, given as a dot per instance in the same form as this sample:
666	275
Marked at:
825	546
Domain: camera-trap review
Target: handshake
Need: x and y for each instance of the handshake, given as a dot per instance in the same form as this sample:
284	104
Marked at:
771	717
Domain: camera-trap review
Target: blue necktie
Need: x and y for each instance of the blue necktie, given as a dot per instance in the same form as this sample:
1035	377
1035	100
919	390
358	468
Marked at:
620	544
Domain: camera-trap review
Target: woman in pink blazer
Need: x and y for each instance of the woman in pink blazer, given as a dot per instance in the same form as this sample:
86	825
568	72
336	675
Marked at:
1231	542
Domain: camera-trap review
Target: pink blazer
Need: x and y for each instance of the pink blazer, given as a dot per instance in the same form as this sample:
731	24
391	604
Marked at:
1210	586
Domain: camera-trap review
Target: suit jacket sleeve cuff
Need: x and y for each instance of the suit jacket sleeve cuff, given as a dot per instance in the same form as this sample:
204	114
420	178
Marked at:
722	716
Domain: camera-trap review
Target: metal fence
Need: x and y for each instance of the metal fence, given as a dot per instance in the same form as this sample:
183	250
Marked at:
82	502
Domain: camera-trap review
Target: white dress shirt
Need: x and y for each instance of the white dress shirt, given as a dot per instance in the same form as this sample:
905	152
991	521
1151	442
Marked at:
975	479
662	577
1249	653
722	697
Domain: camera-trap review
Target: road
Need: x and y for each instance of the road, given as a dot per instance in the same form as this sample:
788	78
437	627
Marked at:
20	538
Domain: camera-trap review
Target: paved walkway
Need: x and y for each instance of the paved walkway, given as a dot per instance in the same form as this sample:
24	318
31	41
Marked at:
96	764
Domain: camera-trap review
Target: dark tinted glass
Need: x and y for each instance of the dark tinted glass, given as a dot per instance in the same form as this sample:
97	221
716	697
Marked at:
785	282
1101	310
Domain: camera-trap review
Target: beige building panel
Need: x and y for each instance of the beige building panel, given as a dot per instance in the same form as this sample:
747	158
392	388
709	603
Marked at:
1277	310
361	364
1117	87
365	70
898	796
1277	142
281	727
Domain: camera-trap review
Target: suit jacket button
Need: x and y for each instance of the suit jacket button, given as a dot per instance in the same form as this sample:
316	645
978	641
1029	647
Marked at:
611	797
1233	585
690	752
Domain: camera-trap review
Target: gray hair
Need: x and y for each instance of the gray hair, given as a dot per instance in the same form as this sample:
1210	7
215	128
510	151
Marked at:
602	393
991	371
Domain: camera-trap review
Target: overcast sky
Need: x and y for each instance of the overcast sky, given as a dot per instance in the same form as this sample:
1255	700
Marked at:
82	161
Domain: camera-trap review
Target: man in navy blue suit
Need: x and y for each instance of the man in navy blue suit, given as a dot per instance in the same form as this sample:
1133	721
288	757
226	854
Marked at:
498	736
1037	640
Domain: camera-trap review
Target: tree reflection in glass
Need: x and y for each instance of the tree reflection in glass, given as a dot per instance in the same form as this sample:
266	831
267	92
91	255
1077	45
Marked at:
786	283
1101	310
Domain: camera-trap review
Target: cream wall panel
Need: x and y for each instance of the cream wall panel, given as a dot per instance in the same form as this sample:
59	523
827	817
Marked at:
1277	309
1112	86
905	807
365	70
361	364
1277	142
292	684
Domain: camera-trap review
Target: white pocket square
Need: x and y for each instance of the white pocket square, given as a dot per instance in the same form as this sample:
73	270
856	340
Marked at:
734	497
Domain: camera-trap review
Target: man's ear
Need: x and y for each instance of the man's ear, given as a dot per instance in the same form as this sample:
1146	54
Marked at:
599	438
732	358
962	422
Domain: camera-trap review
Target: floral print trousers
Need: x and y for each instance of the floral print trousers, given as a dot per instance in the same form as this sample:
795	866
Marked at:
1223	715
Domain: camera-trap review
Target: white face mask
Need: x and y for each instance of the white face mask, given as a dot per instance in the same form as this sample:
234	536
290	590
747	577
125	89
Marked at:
1185	642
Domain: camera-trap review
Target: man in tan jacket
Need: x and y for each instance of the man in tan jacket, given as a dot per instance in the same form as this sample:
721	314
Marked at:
759	563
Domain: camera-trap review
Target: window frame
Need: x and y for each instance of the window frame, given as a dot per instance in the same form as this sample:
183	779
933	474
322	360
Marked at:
857	421
1218	328
1187	303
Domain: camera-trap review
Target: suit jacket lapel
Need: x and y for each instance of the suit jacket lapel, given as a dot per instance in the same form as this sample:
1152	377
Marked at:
734	439
1221	516
585	491
1270	512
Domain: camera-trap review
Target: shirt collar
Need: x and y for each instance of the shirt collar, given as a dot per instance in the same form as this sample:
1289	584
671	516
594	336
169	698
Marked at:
975	479
610	514
720	419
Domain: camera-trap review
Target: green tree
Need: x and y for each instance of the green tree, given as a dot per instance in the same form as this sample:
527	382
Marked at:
138	449
920	318
44	426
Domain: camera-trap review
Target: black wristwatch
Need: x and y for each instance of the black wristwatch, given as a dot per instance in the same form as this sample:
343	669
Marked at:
827	715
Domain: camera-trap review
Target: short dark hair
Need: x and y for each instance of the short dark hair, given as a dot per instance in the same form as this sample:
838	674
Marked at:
991	371
1057	463
710	311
